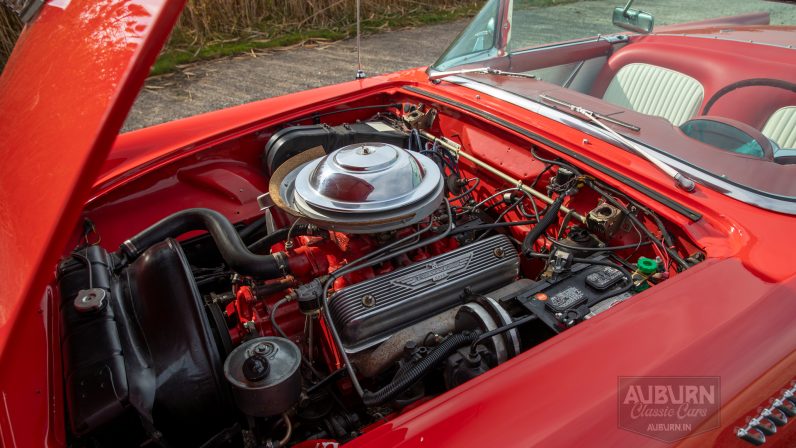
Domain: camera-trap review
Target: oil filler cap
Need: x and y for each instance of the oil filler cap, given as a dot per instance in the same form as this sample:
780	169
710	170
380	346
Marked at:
256	368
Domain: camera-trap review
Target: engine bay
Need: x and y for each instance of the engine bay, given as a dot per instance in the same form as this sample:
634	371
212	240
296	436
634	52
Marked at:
390	262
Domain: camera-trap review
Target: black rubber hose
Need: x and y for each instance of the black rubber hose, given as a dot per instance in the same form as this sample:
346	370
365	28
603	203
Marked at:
491	225
547	220
416	372
249	229
227	239
278	235
599	249
326	380
554	162
484	336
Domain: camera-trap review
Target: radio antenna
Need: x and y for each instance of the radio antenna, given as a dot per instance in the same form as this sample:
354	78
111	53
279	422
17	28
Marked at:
360	72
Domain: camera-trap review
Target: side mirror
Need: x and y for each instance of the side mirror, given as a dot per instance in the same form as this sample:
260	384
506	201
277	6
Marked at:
633	19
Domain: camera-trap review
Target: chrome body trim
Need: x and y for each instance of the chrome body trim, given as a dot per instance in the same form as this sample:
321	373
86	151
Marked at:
766	420
767	201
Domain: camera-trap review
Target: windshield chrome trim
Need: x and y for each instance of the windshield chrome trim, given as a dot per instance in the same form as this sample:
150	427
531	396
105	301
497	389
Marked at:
612	39
617	38
467	58
756	198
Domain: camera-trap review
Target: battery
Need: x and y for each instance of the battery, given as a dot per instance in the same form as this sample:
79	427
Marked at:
581	286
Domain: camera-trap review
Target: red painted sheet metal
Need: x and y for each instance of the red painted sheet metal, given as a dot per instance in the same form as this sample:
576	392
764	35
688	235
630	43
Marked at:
564	391
64	95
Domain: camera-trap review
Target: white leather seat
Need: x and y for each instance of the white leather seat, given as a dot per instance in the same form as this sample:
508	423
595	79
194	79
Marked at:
654	90
781	127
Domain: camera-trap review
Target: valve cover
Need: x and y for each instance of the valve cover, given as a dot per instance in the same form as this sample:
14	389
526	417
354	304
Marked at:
369	312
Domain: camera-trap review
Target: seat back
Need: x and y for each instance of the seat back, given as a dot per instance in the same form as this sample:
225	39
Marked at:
781	127
654	90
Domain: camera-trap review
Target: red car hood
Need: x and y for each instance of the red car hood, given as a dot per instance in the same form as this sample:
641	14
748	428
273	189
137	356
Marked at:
64	95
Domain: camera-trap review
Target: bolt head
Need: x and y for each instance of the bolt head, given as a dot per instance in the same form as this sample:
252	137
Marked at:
368	301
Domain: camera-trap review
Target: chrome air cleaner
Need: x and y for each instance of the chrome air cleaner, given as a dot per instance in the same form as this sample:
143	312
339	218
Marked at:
361	188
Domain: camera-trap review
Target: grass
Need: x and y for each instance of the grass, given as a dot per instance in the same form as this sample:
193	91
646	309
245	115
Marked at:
10	26
209	29
173	57
184	50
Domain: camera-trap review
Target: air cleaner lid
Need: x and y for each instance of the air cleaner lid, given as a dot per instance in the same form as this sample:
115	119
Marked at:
361	188
364	178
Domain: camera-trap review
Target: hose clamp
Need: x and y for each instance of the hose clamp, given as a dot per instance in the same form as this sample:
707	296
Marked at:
281	263
130	248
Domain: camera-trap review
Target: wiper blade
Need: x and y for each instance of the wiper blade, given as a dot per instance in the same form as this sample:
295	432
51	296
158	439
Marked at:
479	71
679	179
572	107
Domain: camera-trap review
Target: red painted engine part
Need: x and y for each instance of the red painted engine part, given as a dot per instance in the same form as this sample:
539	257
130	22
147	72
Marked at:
313	257
310	257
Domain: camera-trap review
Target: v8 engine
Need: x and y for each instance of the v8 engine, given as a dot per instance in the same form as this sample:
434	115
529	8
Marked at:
390	264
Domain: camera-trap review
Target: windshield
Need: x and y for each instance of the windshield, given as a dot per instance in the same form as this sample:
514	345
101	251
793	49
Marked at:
709	85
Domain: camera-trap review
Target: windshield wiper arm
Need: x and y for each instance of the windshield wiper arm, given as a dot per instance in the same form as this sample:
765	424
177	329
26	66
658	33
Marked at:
572	107
479	71
679	179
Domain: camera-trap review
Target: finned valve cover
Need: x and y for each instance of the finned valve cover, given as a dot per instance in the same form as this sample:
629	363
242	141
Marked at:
368	312
363	188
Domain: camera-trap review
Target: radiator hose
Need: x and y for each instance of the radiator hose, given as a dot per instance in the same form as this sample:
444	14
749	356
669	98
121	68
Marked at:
234	252
419	370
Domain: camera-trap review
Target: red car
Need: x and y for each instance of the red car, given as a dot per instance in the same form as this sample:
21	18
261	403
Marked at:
589	242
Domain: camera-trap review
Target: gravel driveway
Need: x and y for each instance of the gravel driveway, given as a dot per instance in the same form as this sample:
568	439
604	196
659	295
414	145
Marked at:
212	85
